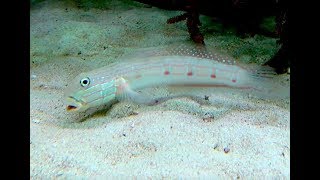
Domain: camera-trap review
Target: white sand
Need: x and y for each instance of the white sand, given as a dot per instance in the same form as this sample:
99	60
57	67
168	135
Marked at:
167	140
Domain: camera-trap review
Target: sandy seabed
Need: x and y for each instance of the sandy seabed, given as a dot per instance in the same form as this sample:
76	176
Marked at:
247	138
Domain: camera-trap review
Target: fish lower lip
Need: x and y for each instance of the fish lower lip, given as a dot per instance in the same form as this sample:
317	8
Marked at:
70	108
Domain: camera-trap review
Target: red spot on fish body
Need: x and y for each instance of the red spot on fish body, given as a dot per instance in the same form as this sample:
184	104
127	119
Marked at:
233	80
189	73
166	73
213	76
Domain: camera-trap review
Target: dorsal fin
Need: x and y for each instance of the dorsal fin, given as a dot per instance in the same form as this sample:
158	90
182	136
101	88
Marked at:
201	51
187	49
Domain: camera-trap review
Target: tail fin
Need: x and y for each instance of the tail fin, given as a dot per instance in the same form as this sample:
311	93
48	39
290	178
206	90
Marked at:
265	85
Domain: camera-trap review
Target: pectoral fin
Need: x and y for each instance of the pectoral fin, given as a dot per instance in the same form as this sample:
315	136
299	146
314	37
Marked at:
133	96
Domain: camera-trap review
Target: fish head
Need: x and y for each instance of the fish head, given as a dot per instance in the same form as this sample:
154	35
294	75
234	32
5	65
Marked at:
89	90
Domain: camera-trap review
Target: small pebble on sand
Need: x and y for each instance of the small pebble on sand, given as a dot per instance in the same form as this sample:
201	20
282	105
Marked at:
33	76
37	121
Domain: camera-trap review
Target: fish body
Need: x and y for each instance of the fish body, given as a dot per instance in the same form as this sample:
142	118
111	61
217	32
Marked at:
124	80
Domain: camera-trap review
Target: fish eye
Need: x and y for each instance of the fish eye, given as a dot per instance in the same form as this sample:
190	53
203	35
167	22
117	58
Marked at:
85	82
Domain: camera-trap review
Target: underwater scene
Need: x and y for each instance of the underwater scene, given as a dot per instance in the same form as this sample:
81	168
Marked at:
154	89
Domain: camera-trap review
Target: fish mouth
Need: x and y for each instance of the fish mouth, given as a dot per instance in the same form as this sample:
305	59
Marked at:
73	104
72	108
